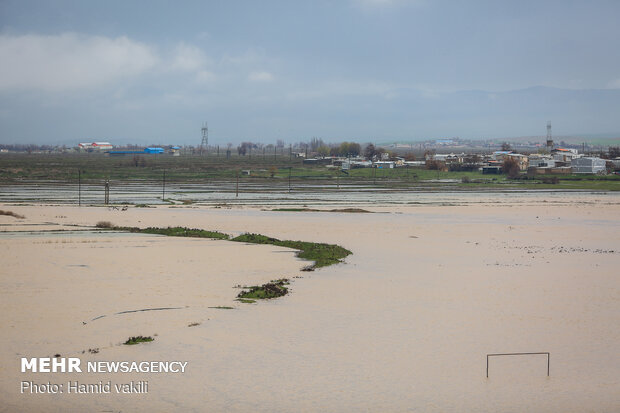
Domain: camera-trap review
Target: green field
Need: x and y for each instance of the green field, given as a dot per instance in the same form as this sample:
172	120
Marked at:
94	167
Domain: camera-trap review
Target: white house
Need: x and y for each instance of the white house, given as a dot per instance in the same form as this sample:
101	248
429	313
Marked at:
102	145
95	146
564	155
415	163
384	164
500	155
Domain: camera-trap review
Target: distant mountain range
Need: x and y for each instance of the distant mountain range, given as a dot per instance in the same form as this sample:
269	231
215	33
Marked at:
576	115
384	116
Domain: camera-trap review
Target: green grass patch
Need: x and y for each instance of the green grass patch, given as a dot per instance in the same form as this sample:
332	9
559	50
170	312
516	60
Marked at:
176	232
273	289
322	254
137	340
350	210
296	210
246	301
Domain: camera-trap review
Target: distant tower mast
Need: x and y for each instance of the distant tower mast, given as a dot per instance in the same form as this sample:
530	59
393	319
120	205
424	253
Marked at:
549	138
205	138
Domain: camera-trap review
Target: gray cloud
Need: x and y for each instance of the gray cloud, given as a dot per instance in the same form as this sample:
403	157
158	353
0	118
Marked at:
367	68
70	61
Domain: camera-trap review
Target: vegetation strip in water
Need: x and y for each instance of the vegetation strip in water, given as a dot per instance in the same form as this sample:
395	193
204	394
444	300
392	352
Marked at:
246	301
273	289
169	231
322	254
138	339
350	210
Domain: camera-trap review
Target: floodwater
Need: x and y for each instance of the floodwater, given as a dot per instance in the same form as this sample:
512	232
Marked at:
271	193
404	325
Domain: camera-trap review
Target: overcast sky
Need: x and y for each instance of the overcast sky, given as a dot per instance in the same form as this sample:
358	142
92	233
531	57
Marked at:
369	70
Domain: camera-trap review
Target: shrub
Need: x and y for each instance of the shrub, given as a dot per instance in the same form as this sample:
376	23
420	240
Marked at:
272	289
138	339
104	224
12	214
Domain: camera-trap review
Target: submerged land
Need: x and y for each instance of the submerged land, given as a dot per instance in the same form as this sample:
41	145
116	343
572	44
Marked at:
380	290
403	323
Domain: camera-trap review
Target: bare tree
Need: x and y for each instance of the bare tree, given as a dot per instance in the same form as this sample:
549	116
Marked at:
370	151
511	167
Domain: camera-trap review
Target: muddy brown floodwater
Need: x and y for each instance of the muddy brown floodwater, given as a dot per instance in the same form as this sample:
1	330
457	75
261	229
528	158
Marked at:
404	324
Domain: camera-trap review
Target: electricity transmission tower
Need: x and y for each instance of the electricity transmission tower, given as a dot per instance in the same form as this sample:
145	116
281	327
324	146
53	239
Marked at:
549	138
205	138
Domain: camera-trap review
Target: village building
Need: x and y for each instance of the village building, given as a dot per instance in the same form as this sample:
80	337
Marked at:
418	164
588	165
492	168
541	161
95	146
502	156
522	160
561	155
384	164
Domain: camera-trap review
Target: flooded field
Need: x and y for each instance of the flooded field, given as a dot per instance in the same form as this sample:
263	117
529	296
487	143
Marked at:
436	282
275	193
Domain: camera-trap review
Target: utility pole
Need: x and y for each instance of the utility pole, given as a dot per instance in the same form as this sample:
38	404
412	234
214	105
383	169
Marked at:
79	187
237	190
106	197
289	179
163	187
